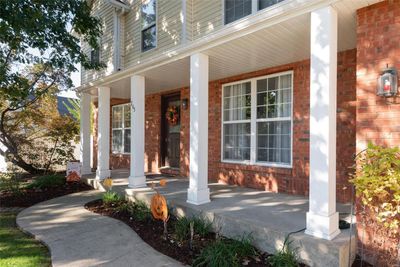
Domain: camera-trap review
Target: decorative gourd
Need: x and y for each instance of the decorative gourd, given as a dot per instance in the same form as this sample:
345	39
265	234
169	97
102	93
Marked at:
159	208
108	182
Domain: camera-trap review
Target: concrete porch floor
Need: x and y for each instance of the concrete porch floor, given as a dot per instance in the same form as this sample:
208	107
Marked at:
237	211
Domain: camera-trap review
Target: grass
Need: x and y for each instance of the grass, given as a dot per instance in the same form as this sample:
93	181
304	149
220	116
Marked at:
286	257
18	249
225	253
201	227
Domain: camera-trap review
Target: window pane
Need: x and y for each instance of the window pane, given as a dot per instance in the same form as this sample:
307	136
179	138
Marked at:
236	9
148	13
267	3
237	102
237	141
127	116
127	141
149	38
117	117
274	141
117	141
95	56
274	97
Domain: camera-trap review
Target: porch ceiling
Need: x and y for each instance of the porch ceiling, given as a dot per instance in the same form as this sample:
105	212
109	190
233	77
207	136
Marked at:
282	43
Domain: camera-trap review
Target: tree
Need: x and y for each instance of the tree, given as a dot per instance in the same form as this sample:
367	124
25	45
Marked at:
39	47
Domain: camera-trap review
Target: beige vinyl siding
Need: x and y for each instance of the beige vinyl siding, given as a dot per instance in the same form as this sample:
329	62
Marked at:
104	11
207	17
169	26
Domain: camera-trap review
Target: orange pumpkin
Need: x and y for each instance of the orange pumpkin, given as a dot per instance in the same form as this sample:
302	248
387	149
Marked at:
163	182
159	208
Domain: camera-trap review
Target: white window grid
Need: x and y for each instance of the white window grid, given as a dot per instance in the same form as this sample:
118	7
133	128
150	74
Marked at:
153	24
122	128
254	120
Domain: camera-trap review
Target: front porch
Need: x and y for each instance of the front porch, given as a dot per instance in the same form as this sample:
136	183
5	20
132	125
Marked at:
236	211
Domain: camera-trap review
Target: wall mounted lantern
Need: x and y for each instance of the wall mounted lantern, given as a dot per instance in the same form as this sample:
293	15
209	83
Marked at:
387	83
185	104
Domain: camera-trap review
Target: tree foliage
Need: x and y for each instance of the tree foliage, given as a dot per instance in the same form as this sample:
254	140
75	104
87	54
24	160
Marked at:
39	48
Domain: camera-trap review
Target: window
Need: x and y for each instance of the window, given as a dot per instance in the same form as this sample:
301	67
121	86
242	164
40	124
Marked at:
267	3
95	56
270	123
236	121
148	21
237	9
121	128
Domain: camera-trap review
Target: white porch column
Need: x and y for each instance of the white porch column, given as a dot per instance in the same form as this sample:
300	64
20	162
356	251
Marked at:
198	192
137	177
85	142
103	137
322	218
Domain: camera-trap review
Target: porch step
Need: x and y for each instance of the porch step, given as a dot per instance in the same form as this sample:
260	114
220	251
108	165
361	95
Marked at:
312	251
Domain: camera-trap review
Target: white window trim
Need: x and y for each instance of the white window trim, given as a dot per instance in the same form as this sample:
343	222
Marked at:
123	130
149	26
254	10
253	123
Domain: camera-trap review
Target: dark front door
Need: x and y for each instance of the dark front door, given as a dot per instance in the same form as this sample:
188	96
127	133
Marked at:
170	132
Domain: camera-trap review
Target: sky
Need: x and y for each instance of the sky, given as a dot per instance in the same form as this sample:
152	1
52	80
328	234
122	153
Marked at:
76	79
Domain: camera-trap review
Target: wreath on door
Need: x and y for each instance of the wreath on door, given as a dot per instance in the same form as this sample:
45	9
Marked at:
172	115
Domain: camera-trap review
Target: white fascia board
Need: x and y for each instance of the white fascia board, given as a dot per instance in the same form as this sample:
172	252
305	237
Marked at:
124	7
250	24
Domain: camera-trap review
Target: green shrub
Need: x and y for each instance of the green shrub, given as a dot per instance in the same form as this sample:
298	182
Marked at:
286	257
225	253
47	181
377	180
201	227
11	182
111	197
140	211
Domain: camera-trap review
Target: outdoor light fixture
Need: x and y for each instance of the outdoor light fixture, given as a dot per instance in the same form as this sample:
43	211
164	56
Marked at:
185	103
387	83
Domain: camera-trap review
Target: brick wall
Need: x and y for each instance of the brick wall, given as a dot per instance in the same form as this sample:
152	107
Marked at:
378	118
294	180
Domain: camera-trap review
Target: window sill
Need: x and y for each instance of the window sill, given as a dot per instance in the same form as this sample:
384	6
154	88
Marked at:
260	164
120	154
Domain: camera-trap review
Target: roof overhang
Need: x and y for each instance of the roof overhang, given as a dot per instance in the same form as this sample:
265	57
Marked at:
246	41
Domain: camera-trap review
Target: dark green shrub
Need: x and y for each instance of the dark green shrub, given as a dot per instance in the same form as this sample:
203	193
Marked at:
47	181
111	197
225	253
286	257
201	227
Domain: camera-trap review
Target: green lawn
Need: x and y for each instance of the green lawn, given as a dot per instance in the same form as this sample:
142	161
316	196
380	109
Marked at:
18	249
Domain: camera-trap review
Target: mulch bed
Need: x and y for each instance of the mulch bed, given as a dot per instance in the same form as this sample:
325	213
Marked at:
151	231
29	197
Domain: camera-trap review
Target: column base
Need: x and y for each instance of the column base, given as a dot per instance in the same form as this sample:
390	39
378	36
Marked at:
137	181
86	170
326	227
102	174
198	196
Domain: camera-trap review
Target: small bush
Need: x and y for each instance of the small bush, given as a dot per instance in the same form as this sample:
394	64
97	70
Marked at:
201	227
47	181
286	257
11	182
140	211
111	197
225	253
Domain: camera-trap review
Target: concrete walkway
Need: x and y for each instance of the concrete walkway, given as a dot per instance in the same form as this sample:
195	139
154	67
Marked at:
78	237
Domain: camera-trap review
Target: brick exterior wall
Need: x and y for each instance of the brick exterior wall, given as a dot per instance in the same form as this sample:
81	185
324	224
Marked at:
294	180
378	118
